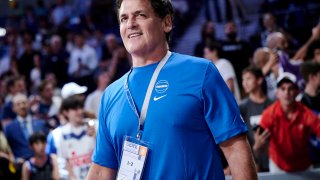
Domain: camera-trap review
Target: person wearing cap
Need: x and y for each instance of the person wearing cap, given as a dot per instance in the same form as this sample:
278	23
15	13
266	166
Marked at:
73	142
71	89
290	124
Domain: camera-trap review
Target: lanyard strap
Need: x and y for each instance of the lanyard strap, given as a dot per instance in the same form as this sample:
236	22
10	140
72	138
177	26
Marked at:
146	101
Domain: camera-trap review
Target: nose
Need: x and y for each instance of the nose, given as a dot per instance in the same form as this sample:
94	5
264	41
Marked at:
132	23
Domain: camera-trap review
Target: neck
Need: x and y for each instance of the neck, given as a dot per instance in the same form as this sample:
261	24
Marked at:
47	101
287	108
311	90
39	156
102	87
75	124
139	60
257	96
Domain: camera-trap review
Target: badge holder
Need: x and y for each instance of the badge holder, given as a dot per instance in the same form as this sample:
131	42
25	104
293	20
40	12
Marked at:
134	155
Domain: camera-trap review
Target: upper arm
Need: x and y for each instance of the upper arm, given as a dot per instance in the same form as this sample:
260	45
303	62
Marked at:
98	172
25	171
55	171
221	111
235	144
230	84
104	152
239	156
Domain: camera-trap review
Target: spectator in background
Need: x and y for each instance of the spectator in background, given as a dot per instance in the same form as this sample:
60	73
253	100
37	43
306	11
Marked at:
60	13
290	124
7	168
268	62
311	95
83	62
208	35
251	109
278	42
310	71
212	52
76	133
269	23
238	52
41	165
15	85
46	106
314	51
56	61
36	74
21	128
109	47
92	102
25	62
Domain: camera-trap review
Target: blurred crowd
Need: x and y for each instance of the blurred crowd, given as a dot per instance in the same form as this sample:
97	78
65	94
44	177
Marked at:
55	63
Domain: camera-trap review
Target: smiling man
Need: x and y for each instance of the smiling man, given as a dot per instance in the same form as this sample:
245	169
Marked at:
167	117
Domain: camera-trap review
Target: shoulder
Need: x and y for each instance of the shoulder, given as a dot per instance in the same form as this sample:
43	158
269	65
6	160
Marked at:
244	102
272	109
187	60
14	124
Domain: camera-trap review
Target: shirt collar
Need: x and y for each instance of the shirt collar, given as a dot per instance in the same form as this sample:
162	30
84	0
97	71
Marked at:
21	119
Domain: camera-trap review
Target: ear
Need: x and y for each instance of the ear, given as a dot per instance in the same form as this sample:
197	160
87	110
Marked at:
167	23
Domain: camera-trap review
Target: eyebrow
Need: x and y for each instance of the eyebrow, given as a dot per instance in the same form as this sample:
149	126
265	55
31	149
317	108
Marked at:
134	13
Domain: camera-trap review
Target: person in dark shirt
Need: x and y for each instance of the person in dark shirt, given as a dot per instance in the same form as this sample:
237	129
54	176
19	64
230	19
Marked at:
311	95
41	166
238	52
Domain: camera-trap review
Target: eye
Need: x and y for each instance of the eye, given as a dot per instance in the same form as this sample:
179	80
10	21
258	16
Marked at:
142	15
123	19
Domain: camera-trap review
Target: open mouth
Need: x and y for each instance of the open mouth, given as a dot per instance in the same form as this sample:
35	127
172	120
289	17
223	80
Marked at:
132	35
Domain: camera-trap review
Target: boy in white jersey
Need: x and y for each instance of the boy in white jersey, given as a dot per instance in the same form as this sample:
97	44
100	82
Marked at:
78	139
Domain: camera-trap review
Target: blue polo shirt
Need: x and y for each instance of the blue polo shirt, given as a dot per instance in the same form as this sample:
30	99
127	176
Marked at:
191	111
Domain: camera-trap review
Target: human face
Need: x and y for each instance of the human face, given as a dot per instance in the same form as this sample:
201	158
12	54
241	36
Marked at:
75	116
316	79
208	54
317	55
249	82
19	86
39	147
142	31
287	93
20	105
47	93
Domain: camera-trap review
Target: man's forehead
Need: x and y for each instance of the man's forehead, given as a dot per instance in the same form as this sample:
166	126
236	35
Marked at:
19	98
130	6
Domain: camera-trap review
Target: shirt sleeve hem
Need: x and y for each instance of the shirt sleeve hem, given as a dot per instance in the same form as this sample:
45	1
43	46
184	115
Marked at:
231	133
107	165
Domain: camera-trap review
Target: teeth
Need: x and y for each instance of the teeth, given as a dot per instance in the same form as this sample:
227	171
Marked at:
134	35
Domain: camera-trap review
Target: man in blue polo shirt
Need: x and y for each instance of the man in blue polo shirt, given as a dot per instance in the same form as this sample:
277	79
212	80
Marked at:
168	116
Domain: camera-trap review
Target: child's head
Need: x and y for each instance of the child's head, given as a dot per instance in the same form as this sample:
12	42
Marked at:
73	109
37	142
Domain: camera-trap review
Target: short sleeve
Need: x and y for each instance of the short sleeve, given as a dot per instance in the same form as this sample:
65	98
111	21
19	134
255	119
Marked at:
227	71
51	147
104	153
220	108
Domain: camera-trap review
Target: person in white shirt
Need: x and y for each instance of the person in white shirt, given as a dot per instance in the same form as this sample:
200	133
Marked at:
92	103
225	68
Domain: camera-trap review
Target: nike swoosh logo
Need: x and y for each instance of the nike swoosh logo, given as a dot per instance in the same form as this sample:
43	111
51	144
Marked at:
157	98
